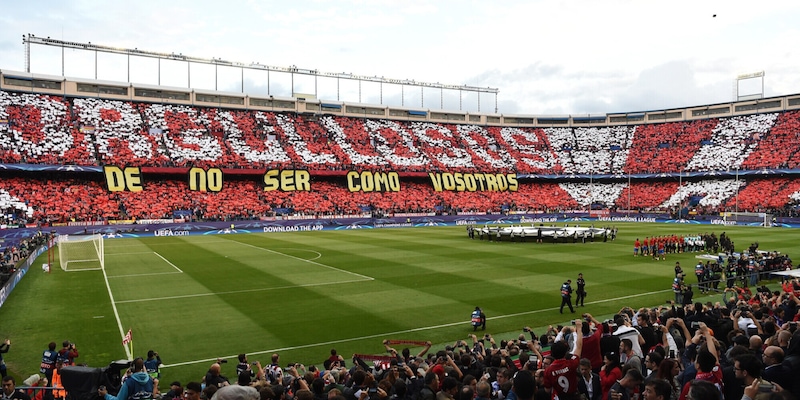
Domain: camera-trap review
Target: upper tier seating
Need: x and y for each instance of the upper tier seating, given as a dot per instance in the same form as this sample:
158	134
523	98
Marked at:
42	129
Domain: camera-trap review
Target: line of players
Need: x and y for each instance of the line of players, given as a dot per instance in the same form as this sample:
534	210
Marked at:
658	246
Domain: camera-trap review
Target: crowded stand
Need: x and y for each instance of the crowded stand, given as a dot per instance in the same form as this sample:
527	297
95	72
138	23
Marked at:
44	129
666	147
594	193
776	148
713	192
591	150
645	195
733	140
529	149
50	130
762	195
668	348
33	200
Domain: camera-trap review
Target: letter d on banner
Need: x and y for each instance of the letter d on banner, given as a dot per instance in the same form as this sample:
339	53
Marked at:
121	179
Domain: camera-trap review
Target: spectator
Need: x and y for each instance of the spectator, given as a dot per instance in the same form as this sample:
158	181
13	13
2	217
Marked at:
610	373
699	389
215	378
10	391
524	385
175	391
626	331
625	387
668	371
561	377
4	349
589	386
139	386
237	392
449	389
428	392
657	389
651	363
707	361
774	369
627	354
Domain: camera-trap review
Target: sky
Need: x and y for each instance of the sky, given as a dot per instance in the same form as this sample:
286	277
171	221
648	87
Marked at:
556	57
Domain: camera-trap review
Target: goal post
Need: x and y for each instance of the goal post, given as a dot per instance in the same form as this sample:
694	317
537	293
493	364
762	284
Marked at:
749	218
81	253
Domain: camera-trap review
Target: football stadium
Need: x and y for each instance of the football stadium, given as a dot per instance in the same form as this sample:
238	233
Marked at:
201	225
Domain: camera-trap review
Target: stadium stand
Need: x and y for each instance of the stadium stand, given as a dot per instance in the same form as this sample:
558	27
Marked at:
51	130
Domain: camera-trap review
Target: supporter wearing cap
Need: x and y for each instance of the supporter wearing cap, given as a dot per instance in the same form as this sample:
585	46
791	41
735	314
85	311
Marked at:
175	391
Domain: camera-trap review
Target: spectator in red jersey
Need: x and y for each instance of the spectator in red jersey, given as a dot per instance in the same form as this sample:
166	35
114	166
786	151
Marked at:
561	377
591	342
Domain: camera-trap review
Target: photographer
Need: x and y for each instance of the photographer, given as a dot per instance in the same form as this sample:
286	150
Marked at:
153	364
68	353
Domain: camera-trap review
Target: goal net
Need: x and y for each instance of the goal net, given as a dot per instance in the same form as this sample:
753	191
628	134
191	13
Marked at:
748	218
81	253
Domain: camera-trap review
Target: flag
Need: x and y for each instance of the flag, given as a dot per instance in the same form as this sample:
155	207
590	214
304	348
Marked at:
127	339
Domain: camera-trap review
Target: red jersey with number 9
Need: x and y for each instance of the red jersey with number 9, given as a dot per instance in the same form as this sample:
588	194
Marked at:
562	376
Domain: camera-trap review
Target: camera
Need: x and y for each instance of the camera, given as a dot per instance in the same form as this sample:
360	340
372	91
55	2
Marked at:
765	386
695	324
223	361
525	330
672	354
254	363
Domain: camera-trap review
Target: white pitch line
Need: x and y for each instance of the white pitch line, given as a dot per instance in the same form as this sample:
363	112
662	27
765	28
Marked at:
116	314
167	261
125	254
308	261
389	334
148	274
237	291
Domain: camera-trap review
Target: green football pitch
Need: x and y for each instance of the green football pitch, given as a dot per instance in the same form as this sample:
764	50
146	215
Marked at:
196	298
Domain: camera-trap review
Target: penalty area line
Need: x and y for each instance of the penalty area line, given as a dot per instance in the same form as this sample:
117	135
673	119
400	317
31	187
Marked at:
167	261
383	335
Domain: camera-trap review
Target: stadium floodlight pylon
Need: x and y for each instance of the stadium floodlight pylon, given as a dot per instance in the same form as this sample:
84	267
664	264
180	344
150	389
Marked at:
81	253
